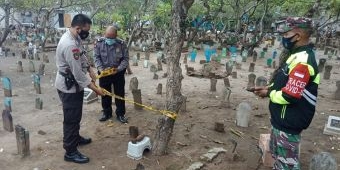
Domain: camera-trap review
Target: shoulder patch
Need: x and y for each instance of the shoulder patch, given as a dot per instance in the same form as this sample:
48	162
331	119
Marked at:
101	39
76	53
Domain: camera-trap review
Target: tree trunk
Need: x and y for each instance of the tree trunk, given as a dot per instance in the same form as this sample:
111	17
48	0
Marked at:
174	98
7	10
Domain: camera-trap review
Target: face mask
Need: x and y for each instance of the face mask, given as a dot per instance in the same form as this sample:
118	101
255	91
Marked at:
83	34
287	42
110	41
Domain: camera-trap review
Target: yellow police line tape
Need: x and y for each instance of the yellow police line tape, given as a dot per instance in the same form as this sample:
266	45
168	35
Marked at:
106	72
169	114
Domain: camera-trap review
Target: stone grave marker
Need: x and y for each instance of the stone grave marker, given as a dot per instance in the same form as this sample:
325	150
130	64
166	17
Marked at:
254	56
0	73
234	75
137	98
134	61
153	68
31	67
332	126
337	92
229	67
147	55
13	54
146	63
183	108
269	62
274	64
323	161
36	56
90	96
41	69
185	59
213	83
203	61
321	66
19	67
138	56
238	66
261	81
23	141
36	80
45	58
7	86
327	73
226	97
8	103
251	80
219	127
251	67
155	76
159	64
23	54
38	103
226	82
243	114
159	88
133	83
7	120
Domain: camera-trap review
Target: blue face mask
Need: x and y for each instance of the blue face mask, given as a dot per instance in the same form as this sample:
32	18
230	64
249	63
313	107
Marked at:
110	41
287	42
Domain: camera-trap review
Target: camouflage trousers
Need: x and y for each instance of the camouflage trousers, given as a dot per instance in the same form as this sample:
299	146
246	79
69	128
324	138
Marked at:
285	150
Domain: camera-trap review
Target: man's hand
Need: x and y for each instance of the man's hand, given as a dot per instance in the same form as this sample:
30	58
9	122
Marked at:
261	91
115	70
100	92
93	75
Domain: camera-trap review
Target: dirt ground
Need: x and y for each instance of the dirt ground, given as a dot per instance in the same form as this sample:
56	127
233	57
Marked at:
194	128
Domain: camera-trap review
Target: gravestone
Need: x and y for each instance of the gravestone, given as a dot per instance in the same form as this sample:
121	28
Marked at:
165	75
332	126
23	141
321	66
251	80
36	80
45	58
133	83
185	59
243	114
323	161
8	103
219	127
7	120
13	54
7	86
41	69
234	75
226	82
213	83
146	63
0	73
155	76
183	108
269	62
147	55
153	68
225	102
159	88
251	67
36	56
254	56
138	56
134	61
274	64
137	98
31	67
337	92
261	81
238	66
19	67
203	61
23	54
38	103
229	68
159	64
327	73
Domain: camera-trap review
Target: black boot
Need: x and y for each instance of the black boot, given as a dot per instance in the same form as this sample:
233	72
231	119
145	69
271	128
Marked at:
105	117
122	119
76	157
84	141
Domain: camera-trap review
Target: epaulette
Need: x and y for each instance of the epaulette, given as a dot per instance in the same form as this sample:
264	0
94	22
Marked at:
120	41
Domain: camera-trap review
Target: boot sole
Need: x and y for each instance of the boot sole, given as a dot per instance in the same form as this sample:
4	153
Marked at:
79	162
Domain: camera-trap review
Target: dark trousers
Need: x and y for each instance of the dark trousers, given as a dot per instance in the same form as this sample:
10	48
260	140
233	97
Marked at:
73	110
118	82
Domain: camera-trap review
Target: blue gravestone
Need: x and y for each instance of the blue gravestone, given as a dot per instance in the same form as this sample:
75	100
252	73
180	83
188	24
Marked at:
6	83
8	103
36	80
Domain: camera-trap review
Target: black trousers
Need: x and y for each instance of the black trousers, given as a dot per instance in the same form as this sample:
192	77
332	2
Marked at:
118	82
73	110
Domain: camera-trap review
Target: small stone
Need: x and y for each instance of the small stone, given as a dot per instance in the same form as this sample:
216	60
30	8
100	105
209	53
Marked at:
212	153
196	166
40	132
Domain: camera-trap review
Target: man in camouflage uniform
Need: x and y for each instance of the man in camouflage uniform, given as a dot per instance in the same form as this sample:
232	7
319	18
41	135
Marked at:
112	53
70	82
292	93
